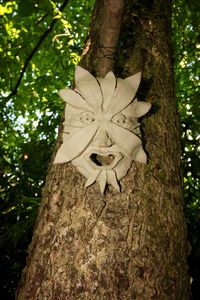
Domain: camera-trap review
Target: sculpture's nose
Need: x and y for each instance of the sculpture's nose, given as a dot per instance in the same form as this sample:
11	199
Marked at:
102	139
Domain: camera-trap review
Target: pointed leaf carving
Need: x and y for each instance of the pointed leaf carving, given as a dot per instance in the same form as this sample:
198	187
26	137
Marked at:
88	87
76	144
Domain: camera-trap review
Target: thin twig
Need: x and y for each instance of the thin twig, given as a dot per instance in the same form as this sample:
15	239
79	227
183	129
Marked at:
30	56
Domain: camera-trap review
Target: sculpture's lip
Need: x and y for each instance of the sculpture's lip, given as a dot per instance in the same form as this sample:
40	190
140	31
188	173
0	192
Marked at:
104	151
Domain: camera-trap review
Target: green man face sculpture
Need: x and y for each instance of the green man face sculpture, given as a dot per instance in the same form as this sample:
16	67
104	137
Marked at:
101	131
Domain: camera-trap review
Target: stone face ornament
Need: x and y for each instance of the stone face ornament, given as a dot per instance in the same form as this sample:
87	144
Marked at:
101	134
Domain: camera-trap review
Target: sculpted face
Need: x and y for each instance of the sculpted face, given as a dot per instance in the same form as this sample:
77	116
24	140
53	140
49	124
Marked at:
101	132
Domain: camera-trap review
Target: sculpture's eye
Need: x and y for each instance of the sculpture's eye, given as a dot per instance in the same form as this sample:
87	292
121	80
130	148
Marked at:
119	119
87	117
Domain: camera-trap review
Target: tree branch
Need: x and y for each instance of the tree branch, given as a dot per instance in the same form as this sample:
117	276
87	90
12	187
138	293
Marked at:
109	35
108	15
30	56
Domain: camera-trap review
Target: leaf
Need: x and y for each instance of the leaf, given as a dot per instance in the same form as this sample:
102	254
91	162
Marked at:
26	8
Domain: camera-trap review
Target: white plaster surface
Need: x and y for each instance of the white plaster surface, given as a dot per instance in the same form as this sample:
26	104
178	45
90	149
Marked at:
101	120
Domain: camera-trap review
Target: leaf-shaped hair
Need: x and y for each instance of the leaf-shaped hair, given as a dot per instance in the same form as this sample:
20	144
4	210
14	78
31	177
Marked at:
124	93
76	144
88	87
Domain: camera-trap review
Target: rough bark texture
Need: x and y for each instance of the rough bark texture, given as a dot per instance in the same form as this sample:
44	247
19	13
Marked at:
101	45
128	245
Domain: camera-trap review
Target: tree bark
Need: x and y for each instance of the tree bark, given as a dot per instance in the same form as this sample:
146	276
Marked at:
128	245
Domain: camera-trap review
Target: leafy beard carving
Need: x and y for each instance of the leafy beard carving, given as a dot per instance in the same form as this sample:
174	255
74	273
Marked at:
101	131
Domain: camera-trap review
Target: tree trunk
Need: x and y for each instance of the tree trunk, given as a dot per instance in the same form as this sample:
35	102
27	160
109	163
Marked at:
128	245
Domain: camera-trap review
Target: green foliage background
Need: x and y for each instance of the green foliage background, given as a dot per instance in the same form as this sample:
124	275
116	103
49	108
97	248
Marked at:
186	46
40	43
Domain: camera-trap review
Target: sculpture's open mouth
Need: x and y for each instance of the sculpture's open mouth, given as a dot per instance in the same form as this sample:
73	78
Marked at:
104	158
